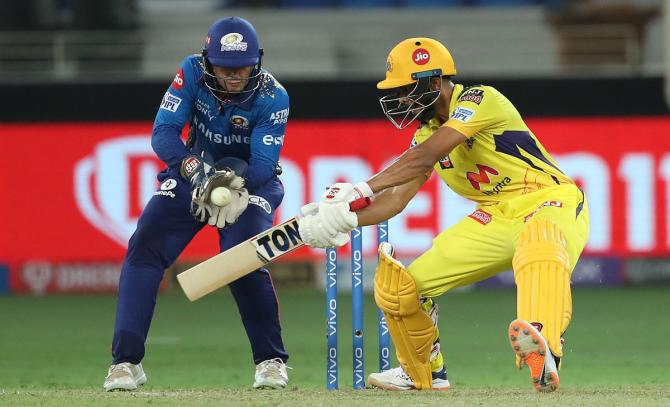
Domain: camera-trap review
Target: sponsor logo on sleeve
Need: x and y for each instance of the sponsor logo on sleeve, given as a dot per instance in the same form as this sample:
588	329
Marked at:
178	81
170	102
166	188
279	117
260	201
472	95
462	114
269	140
445	163
421	56
481	216
233	42
190	166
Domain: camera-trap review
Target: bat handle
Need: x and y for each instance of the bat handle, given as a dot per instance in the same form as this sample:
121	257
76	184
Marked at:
359	204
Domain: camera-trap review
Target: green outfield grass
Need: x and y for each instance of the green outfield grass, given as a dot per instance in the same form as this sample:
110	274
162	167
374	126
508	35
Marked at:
55	351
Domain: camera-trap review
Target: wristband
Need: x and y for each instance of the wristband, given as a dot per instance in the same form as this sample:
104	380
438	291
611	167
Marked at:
363	190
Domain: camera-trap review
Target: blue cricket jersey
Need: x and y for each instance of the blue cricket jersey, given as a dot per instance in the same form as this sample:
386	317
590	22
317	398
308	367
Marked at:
252	131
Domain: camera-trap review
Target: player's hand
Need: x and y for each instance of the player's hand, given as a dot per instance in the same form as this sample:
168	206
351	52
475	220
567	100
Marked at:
208	213
196	171
336	217
311	208
315	235
231	212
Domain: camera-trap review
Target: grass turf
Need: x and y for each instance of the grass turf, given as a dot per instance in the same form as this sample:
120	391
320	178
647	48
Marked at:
55	351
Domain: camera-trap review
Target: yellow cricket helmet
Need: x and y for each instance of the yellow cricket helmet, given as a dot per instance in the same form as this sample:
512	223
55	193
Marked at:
413	56
410	67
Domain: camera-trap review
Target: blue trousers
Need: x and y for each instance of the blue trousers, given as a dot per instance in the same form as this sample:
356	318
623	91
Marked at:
163	231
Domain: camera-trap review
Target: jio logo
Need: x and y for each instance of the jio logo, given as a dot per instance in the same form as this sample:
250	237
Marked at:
421	56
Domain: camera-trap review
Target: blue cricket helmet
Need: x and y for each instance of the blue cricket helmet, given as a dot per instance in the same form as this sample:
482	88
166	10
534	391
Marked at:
232	42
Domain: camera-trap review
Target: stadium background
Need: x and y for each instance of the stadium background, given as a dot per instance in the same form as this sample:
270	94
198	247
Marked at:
81	81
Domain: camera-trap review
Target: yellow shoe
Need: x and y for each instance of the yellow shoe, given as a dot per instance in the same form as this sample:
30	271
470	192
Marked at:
529	344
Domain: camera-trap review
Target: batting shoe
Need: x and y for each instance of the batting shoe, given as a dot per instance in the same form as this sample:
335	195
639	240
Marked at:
529	345
397	379
271	374
124	376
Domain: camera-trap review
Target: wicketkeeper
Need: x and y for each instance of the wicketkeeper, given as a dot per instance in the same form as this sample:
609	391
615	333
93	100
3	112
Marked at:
237	112
530	216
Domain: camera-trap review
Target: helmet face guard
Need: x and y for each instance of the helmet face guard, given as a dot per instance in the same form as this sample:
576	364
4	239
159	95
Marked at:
402	109
216	84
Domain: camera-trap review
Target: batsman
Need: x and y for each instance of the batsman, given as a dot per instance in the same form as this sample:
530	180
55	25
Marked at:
530	217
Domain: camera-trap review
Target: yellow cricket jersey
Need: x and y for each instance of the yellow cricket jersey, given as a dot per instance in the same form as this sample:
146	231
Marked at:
501	158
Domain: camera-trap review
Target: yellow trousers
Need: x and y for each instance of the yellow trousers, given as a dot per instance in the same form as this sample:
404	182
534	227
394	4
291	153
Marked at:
483	243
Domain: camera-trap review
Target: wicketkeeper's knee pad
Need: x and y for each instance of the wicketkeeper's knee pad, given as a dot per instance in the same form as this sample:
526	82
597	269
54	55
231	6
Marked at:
411	329
542	273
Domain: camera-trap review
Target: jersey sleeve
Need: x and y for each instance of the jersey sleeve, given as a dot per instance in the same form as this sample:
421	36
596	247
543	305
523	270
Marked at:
476	109
174	112
267	139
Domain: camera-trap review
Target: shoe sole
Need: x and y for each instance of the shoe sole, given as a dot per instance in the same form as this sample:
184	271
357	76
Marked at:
268	387
525	341
383	386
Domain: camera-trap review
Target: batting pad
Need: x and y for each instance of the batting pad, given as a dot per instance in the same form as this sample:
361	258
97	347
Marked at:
411	329
542	274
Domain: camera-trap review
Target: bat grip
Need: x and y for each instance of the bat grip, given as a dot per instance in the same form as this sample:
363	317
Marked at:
359	204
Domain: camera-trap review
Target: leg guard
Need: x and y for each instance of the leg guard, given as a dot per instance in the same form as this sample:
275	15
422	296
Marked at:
542	274
411	329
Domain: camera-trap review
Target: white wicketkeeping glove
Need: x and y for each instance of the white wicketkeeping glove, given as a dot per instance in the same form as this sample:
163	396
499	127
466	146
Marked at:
231	212
210	213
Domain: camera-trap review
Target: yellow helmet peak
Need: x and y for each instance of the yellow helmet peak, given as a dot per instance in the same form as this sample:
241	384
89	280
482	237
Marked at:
413	56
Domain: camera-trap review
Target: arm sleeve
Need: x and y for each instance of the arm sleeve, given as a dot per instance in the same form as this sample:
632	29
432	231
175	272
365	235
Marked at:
174	112
267	139
469	117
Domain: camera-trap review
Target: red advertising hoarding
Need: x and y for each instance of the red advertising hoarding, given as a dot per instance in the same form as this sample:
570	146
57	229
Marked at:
73	192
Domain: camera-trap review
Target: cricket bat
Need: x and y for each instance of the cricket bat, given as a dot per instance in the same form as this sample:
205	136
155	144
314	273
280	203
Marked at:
250	255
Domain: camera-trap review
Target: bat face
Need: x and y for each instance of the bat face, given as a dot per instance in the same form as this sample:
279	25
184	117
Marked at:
277	241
